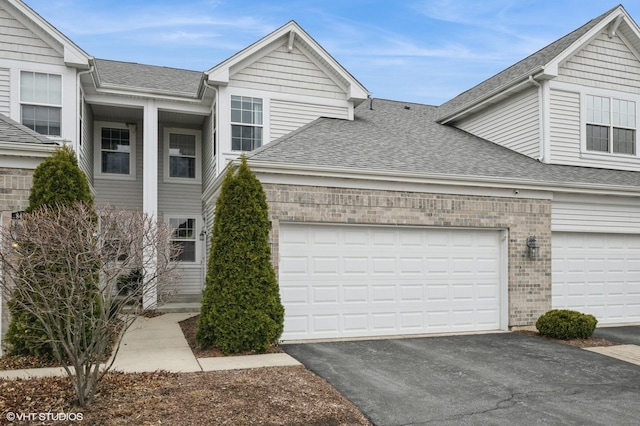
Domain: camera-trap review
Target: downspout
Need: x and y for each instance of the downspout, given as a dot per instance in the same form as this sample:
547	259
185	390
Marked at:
78	99
216	148
216	115
540	117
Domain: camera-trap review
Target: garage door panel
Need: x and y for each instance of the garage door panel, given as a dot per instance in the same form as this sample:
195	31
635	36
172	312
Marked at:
597	274
326	294
325	265
366	281
383	265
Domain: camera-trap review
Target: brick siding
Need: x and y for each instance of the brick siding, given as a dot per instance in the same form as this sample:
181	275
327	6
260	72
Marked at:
15	185
529	287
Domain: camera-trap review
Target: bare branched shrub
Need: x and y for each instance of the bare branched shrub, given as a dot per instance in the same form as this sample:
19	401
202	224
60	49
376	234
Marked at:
83	274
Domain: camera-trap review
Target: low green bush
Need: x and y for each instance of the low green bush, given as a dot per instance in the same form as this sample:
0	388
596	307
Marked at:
566	324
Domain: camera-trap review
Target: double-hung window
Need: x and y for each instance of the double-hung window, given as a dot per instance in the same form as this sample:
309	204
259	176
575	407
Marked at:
611	125
246	123
184	238
115	150
182	155
41	102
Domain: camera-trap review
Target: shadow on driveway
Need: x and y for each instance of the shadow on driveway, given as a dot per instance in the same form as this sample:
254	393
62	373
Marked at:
498	379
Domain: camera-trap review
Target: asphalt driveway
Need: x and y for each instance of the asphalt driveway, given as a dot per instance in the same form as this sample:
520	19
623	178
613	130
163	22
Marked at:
497	379
626	335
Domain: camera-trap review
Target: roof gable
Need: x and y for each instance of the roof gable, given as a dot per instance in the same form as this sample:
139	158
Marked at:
292	38
543	64
72	55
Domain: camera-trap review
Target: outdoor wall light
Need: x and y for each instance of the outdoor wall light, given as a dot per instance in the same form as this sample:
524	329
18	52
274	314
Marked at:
533	248
202	235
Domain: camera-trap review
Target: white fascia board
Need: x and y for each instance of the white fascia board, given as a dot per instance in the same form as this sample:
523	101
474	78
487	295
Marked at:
145	93
219	77
403	178
27	149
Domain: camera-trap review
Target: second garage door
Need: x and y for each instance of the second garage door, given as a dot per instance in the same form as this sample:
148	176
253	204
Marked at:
357	281
597	274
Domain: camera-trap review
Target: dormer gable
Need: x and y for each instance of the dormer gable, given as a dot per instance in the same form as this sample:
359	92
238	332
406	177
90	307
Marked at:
290	50
46	43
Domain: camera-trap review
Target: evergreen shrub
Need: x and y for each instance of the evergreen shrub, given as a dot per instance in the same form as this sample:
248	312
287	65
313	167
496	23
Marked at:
566	324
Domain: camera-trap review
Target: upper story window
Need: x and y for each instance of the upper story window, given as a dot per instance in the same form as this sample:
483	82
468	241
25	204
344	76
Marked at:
611	125
115	150
41	102
246	123
182	155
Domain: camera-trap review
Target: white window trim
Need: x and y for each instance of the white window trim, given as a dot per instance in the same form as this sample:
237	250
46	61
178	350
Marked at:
198	135
597	155
97	150
61	106
263	126
198	227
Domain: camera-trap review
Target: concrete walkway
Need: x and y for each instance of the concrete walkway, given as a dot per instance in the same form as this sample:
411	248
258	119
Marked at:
628	353
158	343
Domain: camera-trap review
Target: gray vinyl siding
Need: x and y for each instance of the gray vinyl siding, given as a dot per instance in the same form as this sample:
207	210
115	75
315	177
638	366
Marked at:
566	138
513	123
125	194
585	215
5	91
287	116
188	287
185	200
208	162
86	154
606	63
284	72
564	128
22	44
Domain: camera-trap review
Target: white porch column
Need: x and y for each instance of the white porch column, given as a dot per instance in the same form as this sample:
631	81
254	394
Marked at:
150	195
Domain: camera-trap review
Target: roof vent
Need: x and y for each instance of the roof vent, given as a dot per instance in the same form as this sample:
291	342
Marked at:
407	107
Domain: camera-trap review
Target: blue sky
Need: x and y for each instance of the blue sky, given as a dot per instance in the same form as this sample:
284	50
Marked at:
424	51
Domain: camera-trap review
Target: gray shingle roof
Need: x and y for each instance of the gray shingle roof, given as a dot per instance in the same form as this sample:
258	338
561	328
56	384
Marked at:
391	138
129	75
522	69
12	131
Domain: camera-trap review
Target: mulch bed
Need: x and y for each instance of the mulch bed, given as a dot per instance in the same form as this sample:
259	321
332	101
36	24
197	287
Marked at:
591	342
275	396
189	328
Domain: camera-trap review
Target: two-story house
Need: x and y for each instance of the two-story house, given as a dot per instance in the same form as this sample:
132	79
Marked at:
388	218
155	138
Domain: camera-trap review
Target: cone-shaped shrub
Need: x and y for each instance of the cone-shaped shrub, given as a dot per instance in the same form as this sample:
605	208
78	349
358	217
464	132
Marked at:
57	181
241	307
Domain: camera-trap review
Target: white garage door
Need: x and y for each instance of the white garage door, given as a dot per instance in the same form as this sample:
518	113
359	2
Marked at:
597	274
355	281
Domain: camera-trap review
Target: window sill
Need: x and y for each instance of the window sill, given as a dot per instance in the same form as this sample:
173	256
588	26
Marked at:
186	181
105	176
620	158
